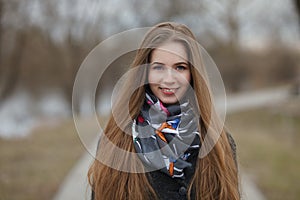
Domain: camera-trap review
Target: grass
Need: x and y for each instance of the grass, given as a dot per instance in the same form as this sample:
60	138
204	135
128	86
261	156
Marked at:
35	166
268	148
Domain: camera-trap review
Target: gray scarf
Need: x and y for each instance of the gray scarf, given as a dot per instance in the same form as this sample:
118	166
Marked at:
164	136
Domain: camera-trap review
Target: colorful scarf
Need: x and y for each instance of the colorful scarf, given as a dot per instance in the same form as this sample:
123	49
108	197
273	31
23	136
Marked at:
165	136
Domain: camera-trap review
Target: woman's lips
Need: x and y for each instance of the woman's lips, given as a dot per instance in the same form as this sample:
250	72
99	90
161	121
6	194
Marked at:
168	91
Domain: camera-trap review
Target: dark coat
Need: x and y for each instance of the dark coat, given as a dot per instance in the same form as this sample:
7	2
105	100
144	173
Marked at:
167	187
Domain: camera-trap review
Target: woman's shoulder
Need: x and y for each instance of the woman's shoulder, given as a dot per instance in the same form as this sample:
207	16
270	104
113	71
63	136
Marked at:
231	141
232	145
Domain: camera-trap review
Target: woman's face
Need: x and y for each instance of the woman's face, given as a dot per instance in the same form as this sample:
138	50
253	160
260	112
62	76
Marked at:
169	73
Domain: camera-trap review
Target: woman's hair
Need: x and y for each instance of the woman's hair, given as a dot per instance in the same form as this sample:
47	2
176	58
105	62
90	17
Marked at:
216	174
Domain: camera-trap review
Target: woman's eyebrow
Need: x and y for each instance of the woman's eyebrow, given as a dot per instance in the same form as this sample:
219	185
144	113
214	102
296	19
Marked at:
178	63
157	63
181	63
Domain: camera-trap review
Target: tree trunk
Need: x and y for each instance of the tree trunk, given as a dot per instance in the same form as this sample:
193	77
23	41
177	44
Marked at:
297	5
10	76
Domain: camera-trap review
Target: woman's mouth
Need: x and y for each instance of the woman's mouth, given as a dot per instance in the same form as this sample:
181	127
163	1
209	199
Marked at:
169	91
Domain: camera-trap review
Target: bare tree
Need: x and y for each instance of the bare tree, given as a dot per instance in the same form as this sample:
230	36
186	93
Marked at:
1	29
1	43
10	69
231	20
297	5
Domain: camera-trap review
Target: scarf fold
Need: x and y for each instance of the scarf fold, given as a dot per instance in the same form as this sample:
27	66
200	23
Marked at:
165	136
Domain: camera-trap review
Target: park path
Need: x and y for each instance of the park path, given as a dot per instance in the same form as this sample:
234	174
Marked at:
75	185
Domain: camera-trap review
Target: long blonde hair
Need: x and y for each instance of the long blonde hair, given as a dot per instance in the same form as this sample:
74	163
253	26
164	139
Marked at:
216	174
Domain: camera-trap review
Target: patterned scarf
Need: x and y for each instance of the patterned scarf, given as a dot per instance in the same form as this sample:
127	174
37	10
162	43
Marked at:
165	136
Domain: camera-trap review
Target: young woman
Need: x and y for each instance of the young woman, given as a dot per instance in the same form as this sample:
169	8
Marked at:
171	122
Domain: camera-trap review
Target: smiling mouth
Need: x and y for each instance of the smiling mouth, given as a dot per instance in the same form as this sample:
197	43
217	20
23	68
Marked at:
168	91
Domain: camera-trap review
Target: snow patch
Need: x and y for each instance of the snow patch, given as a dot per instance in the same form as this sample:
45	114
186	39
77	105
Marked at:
21	113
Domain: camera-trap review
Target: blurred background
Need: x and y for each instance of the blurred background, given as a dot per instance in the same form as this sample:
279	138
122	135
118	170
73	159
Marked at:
255	44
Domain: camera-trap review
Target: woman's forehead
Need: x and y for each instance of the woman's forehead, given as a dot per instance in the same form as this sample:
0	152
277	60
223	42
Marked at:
174	51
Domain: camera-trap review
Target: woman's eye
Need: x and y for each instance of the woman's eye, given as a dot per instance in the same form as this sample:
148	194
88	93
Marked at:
158	67
180	68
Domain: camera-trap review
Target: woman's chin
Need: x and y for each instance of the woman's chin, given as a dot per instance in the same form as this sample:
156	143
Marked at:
169	100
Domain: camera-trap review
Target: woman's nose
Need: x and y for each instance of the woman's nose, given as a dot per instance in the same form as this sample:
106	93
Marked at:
169	75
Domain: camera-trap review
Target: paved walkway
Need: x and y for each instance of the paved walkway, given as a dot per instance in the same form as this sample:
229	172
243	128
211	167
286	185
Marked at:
75	185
